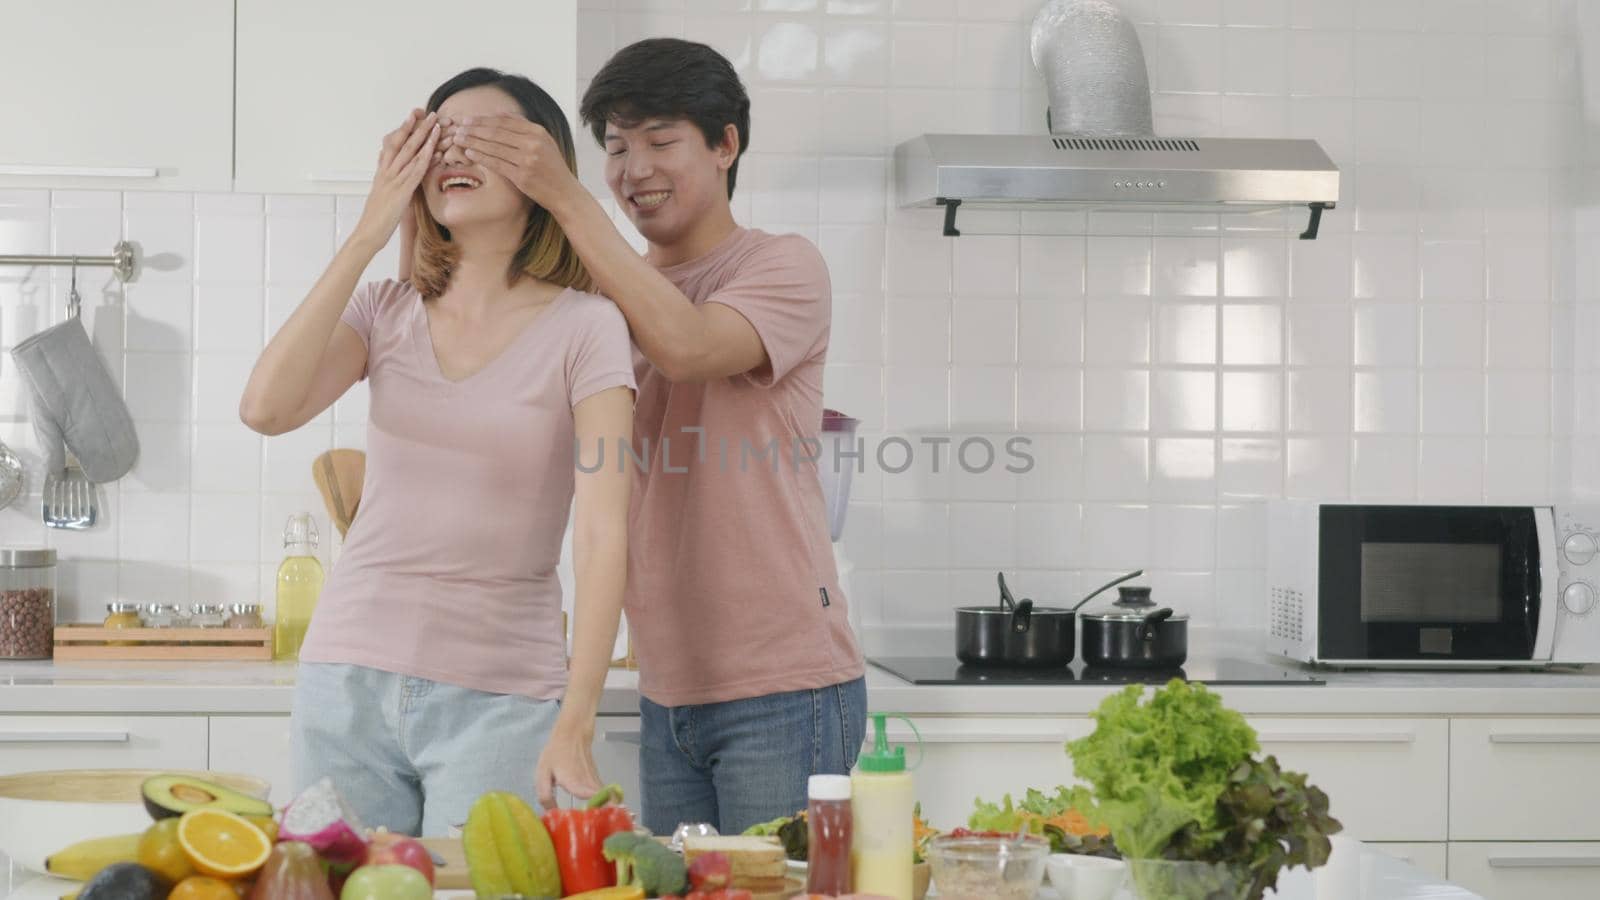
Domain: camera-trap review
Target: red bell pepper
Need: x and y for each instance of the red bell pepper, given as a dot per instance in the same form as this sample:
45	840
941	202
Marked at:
579	834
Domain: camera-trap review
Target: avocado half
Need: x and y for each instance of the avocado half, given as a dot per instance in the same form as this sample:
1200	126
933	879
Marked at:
125	881
168	796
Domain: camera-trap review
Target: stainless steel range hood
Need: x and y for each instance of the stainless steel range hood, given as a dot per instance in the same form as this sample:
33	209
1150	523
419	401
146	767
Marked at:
1143	174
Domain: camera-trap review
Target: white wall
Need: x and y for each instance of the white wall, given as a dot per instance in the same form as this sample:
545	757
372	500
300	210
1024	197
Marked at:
1170	379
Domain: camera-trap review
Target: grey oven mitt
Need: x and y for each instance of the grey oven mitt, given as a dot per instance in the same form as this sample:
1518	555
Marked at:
76	404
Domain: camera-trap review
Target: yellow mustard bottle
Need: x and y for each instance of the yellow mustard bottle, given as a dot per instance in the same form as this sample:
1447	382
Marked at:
882	803
299	585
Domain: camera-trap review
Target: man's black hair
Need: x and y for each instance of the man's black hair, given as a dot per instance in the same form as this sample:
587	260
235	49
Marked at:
669	78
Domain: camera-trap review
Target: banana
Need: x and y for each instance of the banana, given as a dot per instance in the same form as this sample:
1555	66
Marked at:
82	860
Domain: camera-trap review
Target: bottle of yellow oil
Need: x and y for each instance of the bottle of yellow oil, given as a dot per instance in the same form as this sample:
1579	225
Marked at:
882	804
299	584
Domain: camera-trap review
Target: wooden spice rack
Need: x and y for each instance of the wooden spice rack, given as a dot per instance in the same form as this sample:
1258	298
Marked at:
93	643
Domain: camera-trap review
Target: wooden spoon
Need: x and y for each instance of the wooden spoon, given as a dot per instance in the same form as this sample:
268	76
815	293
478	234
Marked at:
339	475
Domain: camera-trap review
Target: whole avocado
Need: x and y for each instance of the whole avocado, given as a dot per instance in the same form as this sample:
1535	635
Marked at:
125	881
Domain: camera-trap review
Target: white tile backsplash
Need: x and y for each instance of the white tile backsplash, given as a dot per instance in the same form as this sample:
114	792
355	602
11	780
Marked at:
1167	373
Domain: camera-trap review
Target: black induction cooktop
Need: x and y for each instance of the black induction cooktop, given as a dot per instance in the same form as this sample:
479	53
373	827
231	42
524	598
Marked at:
1216	670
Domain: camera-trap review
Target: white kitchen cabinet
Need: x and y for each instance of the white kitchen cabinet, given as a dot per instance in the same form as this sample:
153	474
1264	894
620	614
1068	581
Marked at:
320	83
1386	779
616	754
965	758
1525	871
117	96
1525	779
254	745
1432	858
33	743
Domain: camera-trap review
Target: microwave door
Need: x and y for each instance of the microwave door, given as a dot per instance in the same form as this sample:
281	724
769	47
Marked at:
1545	603
1414	585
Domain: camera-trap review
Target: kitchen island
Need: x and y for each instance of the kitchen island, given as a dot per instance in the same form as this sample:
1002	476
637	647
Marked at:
1355	872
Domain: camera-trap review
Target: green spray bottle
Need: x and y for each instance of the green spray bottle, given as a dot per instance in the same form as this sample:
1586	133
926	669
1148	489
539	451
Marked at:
882	803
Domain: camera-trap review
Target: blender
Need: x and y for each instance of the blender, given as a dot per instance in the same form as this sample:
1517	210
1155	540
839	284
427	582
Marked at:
834	470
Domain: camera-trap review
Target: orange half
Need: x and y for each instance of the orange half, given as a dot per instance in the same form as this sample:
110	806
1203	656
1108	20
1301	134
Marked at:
221	844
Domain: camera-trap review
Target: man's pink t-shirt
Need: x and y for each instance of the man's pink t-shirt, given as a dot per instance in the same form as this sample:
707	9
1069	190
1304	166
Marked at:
449	570
732	591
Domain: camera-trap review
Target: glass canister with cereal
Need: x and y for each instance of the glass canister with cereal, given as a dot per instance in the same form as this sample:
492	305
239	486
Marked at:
27	603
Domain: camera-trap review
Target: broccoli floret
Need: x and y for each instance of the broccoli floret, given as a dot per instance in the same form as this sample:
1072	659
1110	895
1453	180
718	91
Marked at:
645	864
659	870
619	848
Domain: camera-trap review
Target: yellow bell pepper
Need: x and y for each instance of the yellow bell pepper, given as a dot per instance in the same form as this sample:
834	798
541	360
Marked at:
610	893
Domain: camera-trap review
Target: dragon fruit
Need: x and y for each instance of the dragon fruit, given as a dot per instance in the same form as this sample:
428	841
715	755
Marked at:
321	818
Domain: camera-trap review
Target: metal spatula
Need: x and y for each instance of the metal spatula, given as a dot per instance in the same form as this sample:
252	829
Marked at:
69	499
69	495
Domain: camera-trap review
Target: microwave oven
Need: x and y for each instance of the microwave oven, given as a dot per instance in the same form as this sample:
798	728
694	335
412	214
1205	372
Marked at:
1419	586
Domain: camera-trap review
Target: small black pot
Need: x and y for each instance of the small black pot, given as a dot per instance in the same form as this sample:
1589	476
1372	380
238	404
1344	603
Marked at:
1014	634
1133	634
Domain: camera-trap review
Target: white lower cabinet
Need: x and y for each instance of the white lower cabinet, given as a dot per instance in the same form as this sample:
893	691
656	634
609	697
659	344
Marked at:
254	745
1432	858
34	743
1525	779
1386	779
616	754
964	758
1504	870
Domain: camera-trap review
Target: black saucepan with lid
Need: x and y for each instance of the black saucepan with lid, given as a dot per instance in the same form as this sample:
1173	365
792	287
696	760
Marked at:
1018	634
1134	633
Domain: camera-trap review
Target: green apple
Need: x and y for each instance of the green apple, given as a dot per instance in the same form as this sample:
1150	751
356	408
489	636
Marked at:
389	882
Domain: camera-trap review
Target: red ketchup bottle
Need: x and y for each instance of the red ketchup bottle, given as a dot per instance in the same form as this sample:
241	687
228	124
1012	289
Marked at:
828	825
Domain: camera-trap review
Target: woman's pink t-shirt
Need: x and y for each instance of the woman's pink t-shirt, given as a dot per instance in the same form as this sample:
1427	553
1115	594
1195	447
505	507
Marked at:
449	569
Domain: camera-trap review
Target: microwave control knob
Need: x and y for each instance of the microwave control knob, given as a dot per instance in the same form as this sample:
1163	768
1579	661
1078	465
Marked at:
1580	548
1578	598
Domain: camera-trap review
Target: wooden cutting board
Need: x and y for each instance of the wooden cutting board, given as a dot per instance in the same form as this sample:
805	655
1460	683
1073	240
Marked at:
339	476
452	875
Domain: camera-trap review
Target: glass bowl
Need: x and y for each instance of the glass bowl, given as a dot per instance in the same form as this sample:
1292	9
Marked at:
1166	879
988	868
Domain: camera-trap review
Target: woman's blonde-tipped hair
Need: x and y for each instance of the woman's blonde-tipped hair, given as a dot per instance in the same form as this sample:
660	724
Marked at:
544	252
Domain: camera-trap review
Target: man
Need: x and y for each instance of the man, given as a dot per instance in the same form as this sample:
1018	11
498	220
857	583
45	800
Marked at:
751	677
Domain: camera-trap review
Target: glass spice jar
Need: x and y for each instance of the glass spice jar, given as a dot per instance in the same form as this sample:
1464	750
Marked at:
27	603
208	615
165	615
122	615
245	615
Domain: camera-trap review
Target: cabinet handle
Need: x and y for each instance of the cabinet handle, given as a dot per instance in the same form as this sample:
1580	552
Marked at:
977	737
623	737
1536	738
363	177
1544	862
1338	737
63	737
80	171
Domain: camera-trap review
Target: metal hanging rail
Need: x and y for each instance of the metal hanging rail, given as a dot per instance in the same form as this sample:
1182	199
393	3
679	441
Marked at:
124	261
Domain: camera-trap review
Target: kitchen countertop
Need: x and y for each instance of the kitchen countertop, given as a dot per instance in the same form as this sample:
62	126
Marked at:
1354	872
268	689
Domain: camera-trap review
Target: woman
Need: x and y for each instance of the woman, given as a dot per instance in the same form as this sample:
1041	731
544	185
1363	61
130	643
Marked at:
435	667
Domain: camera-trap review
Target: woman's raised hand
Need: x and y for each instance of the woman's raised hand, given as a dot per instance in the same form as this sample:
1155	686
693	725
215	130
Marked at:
407	152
